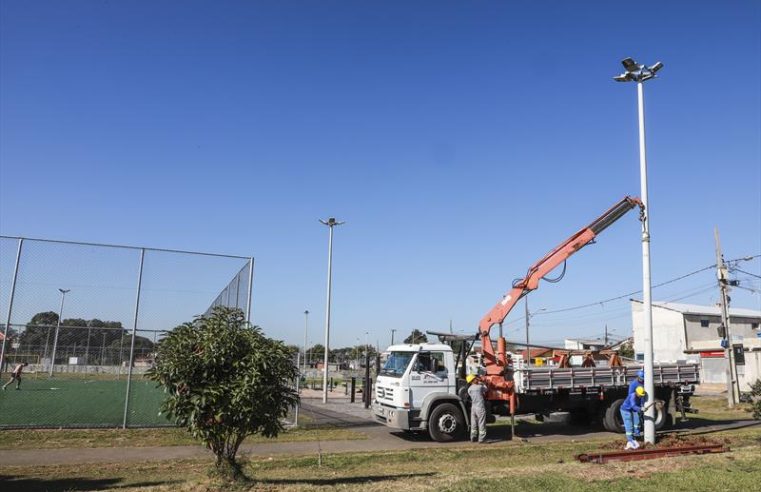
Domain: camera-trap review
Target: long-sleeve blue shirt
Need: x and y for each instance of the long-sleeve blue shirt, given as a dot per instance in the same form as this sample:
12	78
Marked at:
633	385
633	403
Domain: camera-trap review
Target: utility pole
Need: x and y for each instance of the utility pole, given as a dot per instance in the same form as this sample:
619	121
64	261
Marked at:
393	330
721	274
606	335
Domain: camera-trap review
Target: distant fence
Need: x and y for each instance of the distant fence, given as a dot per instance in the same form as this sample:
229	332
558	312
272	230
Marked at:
86	318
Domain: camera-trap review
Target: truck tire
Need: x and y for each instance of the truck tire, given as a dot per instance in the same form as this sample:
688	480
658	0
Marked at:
446	423
612	420
663	419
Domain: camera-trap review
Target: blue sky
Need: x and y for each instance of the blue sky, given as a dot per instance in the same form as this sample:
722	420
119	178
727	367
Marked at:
458	140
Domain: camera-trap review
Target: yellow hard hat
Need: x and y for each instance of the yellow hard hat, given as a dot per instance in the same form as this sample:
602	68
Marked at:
469	378
640	391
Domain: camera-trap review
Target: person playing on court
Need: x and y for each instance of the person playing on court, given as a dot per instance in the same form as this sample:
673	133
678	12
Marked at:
476	391
16	376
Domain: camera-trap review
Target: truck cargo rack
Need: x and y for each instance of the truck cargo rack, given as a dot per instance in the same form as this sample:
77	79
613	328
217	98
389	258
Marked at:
548	379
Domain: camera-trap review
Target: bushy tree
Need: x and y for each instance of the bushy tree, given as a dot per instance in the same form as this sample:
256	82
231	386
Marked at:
225	381
416	336
755	392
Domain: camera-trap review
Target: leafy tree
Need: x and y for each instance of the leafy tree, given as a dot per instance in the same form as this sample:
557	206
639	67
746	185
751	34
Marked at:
416	336
225	381
755	392
626	350
316	354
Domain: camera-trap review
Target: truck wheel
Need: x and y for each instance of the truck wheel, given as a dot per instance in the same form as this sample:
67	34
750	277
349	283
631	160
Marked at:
612	421
663	419
446	423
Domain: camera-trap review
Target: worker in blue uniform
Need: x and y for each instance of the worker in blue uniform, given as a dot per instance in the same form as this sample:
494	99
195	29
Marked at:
638	381
630	411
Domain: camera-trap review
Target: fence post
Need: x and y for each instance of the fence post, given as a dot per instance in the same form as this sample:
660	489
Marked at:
250	287
134	334
353	387
10	303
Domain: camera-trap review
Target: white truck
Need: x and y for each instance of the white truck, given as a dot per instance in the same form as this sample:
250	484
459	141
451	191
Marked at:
418	390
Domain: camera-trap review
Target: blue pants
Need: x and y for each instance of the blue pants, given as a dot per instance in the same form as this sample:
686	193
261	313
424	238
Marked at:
631	423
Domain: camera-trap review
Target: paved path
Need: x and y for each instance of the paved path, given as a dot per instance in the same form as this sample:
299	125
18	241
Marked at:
336	412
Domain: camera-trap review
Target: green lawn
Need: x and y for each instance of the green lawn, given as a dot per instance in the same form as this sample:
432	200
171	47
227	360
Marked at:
59	402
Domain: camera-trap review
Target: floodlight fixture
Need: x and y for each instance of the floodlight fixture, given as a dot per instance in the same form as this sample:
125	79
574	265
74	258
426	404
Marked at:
636	72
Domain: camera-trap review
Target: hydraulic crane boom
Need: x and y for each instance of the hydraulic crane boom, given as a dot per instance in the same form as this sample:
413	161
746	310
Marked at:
494	363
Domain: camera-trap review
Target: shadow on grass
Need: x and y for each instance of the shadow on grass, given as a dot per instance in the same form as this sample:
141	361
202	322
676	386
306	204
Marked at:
342	480
13	484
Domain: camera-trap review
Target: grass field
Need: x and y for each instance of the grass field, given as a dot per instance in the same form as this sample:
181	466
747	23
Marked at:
470	467
80	402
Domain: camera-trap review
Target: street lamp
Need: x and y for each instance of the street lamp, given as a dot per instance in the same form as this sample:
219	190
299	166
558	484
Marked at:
331	222
57	327
306	326
635	72
528	317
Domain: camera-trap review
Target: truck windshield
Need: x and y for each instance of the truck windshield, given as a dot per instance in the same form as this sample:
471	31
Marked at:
397	363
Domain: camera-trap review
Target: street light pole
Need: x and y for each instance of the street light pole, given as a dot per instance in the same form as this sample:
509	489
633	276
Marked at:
393	330
306	328
640	73
57	327
331	222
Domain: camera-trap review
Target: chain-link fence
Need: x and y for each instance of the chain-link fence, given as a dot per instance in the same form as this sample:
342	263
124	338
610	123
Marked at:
85	319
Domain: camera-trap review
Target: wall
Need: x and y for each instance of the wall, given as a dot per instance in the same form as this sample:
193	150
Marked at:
668	334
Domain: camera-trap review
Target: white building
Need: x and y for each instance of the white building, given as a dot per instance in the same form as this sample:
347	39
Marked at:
686	332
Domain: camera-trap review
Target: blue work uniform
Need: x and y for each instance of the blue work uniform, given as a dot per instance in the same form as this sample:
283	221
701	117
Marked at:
630	410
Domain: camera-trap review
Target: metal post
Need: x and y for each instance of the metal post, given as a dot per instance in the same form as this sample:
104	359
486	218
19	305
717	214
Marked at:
528	344
638	73
306	329
134	334
250	287
57	327
393	330
10	303
331	222
367	390
87	350
646	283
298	390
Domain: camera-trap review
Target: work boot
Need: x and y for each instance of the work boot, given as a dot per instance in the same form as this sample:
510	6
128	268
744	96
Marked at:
629	445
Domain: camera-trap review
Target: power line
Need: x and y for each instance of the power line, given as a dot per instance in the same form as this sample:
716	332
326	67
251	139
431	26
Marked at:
710	267
747	273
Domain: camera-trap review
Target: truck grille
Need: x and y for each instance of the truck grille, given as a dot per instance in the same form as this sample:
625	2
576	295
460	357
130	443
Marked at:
384	393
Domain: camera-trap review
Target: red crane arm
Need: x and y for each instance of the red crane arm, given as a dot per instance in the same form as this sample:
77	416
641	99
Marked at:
541	268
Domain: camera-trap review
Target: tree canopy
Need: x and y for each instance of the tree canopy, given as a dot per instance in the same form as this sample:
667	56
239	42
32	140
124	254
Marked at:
416	336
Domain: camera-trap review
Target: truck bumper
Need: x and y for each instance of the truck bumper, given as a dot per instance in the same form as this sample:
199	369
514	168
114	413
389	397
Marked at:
398	418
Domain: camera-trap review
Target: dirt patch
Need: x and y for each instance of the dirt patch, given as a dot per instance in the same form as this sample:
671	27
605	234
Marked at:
669	441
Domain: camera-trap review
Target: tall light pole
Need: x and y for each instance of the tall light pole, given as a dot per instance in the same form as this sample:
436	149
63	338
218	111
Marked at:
635	72
528	317
306	328
393	330
57	327
331	222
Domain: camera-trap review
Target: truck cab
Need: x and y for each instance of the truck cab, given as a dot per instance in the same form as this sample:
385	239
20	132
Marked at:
417	391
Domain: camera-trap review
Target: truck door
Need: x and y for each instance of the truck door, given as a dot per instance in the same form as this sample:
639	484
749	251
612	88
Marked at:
429	374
